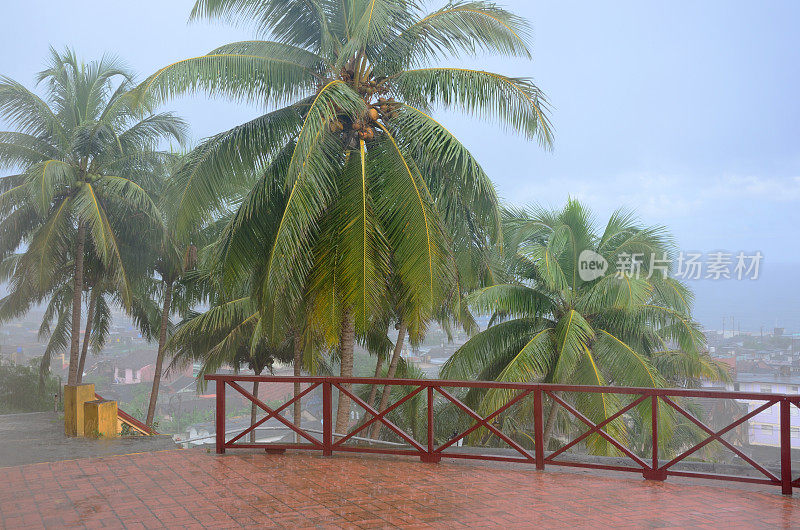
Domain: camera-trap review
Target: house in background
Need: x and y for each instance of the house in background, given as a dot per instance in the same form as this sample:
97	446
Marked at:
139	367
764	428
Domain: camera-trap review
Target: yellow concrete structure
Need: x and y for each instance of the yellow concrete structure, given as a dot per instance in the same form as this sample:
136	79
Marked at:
74	398
100	418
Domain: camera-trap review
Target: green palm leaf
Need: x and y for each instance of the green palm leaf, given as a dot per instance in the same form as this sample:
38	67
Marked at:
237	76
300	23
437	151
311	174
412	227
458	27
516	102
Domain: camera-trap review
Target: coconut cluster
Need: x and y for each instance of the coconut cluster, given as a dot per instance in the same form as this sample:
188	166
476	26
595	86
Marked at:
378	109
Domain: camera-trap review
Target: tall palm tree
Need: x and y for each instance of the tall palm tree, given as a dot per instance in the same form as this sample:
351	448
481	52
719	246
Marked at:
171	254
356	153
81	157
629	328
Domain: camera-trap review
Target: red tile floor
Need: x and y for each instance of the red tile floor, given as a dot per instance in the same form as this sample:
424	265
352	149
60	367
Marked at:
193	488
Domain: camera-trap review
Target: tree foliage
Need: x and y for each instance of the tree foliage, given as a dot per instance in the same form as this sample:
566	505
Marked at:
628	328
82	159
351	191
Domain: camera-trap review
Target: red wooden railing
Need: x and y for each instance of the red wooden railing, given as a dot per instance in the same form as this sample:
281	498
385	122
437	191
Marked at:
124	417
654	469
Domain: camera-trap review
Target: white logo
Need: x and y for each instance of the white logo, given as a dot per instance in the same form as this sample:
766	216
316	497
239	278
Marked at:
591	265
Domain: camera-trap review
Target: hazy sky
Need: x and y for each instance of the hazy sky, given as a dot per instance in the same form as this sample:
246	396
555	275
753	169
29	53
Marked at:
687	111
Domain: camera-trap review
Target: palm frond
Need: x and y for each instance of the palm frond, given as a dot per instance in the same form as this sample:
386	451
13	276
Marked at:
515	102
237	76
227	164
458	27
412	227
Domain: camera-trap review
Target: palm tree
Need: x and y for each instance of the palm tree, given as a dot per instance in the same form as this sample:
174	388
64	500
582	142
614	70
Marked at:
356	153
171	254
82	157
226	335
633	328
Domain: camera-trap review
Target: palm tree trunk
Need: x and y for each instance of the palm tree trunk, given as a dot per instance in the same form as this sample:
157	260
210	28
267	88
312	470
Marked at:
347	343
77	291
44	370
162	339
254	410
387	389
373	393
297	364
551	421
87	333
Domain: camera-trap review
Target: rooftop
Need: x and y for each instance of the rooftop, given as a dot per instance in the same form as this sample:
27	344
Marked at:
195	488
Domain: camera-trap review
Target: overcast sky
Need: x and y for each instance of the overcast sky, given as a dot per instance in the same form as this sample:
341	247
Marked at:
687	111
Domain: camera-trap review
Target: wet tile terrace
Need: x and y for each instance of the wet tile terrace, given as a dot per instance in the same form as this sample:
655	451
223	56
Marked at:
194	488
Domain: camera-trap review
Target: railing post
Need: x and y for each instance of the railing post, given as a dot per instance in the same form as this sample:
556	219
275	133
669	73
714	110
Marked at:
220	416
430	420
327	419
538	428
654	428
654	473
786	447
430	457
